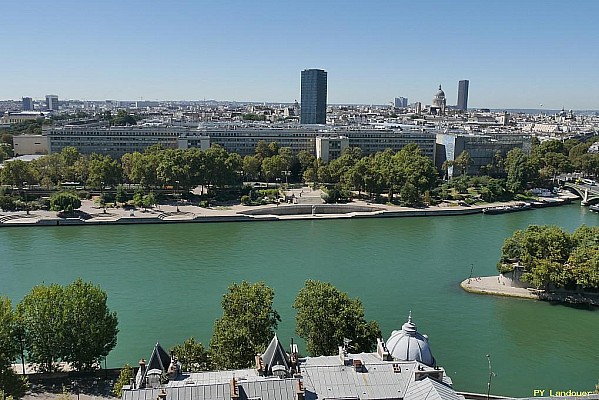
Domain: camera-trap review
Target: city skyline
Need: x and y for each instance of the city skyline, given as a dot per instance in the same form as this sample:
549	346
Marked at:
535	54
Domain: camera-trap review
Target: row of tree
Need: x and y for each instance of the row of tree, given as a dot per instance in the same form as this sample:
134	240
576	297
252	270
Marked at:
552	256
53	323
325	316
407	173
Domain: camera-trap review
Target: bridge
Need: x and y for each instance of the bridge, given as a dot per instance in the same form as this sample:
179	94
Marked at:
588	193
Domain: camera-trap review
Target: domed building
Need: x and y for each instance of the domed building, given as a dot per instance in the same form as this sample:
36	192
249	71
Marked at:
410	345
439	102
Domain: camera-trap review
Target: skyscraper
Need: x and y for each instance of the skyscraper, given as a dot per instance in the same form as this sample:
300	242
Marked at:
27	104
463	95
401	102
314	96
51	102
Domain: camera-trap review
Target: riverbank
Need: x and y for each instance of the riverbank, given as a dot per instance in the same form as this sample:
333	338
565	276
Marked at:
91	214
492	285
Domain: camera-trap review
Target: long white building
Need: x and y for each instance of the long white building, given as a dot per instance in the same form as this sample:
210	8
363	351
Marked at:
324	141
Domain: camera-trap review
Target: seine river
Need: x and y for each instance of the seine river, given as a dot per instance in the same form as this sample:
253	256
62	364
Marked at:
166	282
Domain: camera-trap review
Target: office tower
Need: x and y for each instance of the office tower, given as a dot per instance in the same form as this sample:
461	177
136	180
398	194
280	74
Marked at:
51	102
314	96
27	104
463	95
401	102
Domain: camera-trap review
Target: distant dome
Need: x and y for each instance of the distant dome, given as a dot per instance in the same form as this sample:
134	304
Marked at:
440	93
409	345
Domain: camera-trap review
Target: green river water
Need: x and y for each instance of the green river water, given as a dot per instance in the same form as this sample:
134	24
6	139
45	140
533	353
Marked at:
166	282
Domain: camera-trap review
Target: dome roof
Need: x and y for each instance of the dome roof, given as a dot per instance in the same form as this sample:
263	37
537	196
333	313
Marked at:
440	93
409	345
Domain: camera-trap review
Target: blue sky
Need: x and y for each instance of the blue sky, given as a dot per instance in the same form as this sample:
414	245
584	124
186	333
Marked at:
516	53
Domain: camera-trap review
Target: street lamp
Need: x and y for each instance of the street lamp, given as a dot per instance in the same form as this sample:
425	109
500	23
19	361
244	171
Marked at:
176	192
102	201
25	197
491	375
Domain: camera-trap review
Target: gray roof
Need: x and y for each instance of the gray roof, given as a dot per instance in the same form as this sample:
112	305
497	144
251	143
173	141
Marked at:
430	389
327	377
264	388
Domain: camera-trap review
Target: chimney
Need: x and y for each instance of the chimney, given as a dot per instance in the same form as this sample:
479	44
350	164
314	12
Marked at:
299	390
142	366
382	350
259	365
358	366
234	389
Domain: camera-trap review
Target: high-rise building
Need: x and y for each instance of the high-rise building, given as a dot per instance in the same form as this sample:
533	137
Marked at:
463	95
401	102
314	96
27	104
51	102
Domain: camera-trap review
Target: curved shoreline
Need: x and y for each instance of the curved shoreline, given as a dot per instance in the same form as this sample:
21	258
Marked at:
165	214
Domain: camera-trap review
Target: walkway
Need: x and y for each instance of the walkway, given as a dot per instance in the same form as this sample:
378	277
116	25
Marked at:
491	285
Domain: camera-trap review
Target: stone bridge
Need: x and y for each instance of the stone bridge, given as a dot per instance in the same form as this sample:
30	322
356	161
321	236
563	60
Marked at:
588	193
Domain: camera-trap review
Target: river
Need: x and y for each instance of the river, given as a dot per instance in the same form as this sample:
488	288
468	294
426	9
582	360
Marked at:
166	282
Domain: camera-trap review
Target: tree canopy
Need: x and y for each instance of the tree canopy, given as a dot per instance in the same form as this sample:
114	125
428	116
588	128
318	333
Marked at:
248	324
67	323
325	316
550	255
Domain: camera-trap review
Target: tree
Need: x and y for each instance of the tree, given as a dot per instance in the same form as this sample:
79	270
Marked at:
17	173
9	345
71	324
10	382
123	118
124	378
463	161
325	316
90	328
251	167
64	201
121	194
248	324
519	170
192	355
104	171
5	151
41	316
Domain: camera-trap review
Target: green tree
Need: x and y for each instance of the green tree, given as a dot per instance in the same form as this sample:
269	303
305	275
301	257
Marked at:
71	324
90	329
251	167
123	118
125	377
121	194
325	316
9	345
64	201
463	161
519	170
17	173
104	171
10	383
248	324
5	151
41	316
192	355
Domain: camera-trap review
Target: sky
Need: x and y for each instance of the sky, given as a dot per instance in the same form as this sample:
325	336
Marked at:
516	53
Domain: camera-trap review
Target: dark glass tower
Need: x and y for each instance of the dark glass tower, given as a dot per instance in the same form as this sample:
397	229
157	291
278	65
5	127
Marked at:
463	95
314	96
